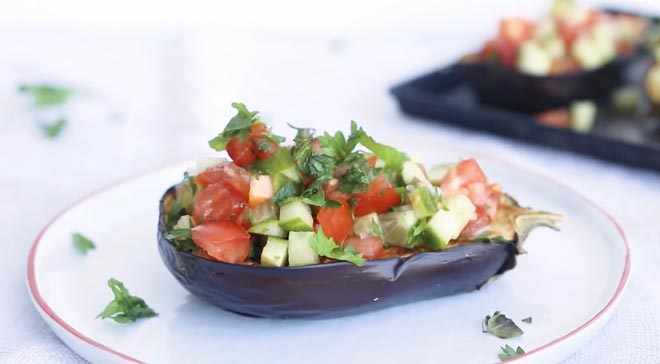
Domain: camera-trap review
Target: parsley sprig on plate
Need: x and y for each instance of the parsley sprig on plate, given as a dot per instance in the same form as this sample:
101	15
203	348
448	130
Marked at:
125	308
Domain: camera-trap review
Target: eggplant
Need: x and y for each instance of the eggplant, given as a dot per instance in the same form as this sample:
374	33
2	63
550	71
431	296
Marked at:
340	288
510	89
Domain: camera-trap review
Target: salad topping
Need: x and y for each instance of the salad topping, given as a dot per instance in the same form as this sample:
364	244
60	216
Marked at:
328	197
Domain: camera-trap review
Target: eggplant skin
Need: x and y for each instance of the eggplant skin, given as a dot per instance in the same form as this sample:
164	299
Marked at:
334	289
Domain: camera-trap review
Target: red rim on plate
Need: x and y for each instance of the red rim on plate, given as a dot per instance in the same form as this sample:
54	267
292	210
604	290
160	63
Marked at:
43	305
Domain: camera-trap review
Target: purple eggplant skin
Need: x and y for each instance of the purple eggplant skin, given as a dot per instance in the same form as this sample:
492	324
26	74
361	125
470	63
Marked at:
334	289
510	89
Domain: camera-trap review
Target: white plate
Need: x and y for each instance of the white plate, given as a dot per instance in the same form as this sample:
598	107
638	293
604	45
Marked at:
569	282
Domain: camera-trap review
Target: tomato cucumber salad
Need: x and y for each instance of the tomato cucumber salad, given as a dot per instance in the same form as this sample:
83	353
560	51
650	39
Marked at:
324	198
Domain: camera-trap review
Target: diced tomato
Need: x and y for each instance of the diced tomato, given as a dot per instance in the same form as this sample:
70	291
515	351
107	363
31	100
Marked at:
225	241
516	30
230	174
379	198
371	248
563	65
475	226
261	189
557	118
261	147
507	52
569	30
336	222
467	178
316	146
487	51
264	148
218	202
371	161
240	151
258	130
461	175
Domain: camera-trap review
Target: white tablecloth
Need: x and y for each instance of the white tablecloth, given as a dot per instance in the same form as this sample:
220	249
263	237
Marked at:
151	97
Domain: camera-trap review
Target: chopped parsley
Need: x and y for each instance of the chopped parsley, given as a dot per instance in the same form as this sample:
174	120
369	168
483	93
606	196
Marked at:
326	247
53	130
44	95
527	320
240	126
82	243
501	326
125	308
508	352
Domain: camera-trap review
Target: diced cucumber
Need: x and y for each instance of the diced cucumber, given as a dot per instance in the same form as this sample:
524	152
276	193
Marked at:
268	227
533	60
652	84
396	225
627	99
275	252
296	216
184	222
412	173
438	172
447	224
553	47
367	225
300	252
423	203
582	116
280	165
592	52
262	212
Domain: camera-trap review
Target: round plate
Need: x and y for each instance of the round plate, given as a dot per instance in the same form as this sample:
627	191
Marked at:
569	282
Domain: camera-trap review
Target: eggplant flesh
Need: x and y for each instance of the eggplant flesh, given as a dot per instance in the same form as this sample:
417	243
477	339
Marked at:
336	289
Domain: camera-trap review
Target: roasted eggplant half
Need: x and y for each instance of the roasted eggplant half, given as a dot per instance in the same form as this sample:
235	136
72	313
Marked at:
334	289
324	228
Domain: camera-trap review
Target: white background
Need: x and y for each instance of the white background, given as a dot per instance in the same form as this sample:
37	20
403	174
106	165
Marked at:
156	80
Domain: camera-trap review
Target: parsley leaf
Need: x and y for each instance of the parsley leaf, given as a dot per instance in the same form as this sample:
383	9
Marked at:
335	145
508	352
359	174
46	95
393	158
53	130
527	320
414	237
82	243
125	308
238	125
501	326
182	238
325	246
288	190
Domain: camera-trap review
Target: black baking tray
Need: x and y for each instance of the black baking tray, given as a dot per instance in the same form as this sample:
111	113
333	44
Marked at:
445	95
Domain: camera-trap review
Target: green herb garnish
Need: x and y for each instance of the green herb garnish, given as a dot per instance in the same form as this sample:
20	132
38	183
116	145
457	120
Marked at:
415	234
182	238
238	125
508	352
358	176
53	130
326	247
527	320
501	326
82	243
393	158
125	308
46	95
